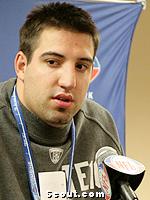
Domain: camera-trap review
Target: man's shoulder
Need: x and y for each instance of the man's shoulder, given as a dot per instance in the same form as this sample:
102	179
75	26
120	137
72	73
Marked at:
5	91
100	119
95	111
100	116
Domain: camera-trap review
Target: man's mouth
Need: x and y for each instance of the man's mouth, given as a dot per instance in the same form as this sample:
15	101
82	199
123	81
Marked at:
63	100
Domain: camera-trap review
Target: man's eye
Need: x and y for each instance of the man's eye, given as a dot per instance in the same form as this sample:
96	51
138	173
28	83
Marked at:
81	67
52	63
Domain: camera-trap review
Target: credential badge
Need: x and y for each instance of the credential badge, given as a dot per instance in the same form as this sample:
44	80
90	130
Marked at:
55	154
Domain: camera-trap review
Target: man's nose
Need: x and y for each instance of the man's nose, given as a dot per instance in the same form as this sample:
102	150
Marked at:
67	78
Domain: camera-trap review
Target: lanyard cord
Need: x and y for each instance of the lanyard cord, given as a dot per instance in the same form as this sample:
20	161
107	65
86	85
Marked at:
71	156
17	112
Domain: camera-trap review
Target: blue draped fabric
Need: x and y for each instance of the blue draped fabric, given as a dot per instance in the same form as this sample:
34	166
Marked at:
116	23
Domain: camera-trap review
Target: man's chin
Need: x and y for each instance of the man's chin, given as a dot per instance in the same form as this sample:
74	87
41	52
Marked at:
59	118
59	123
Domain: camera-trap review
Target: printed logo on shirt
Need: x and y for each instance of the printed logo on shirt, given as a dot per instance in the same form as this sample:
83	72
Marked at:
87	176
55	154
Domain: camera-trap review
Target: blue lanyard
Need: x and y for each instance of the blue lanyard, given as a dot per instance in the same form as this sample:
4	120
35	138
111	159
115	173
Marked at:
17	112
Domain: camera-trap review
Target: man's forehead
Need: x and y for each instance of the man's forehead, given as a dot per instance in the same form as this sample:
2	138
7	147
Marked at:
56	37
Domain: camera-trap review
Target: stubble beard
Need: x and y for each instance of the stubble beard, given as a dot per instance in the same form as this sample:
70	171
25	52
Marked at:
57	118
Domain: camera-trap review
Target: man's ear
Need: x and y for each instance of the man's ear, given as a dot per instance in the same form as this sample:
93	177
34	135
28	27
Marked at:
20	64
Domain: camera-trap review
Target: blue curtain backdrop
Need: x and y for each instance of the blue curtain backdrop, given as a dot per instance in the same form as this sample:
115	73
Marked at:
116	23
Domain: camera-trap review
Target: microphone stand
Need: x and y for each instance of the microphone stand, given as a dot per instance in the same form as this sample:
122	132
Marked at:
126	192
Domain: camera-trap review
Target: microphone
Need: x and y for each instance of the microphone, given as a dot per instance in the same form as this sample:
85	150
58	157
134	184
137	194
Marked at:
119	175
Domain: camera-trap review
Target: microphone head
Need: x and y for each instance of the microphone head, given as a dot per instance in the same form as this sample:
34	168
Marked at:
126	169
100	156
103	153
124	164
114	168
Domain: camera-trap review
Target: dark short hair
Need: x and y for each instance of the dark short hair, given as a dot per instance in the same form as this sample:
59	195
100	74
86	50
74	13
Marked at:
59	15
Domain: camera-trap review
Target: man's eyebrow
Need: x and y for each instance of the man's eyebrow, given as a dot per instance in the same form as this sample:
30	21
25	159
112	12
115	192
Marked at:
51	53
90	60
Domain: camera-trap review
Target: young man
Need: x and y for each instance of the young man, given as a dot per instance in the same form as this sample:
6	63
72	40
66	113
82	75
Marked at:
46	123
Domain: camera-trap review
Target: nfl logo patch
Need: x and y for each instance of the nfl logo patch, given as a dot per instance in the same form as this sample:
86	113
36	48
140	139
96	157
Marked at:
96	69
55	154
